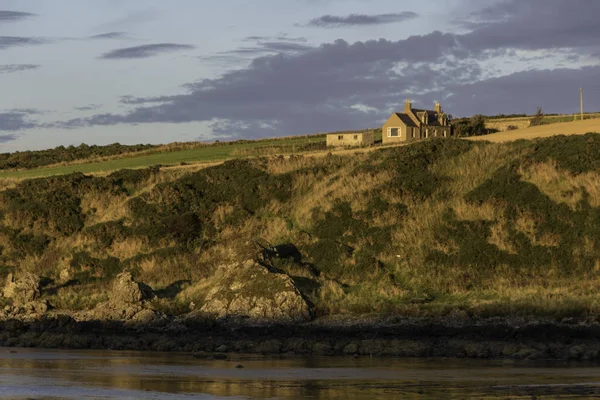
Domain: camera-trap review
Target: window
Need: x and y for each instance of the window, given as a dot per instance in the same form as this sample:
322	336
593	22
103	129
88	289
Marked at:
341	137
355	137
394	132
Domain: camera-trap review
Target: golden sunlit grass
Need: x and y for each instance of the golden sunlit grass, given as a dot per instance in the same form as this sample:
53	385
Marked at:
562	186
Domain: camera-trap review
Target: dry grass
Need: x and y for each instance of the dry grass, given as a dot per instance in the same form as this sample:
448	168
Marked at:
315	193
562	186
565	128
128	248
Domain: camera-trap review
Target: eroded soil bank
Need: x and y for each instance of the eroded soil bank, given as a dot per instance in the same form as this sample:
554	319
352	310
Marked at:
389	336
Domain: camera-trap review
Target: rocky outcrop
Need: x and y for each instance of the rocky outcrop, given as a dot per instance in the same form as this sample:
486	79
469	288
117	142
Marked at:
126	290
24	290
250	290
128	302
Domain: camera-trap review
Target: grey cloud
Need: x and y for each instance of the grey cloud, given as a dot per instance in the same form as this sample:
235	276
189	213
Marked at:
267	47
9	137
332	21
278	38
90	107
15	120
554	90
109	35
11	68
145	51
14	41
6	15
535	24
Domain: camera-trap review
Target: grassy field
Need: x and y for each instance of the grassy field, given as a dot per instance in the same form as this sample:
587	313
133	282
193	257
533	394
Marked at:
205	154
564	128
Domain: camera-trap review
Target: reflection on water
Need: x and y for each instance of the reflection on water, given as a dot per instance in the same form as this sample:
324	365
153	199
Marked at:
29	373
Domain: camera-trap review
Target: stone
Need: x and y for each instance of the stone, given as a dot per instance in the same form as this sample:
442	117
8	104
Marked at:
126	290
251	290
65	275
23	290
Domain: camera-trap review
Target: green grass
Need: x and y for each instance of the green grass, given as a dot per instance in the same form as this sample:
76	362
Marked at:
212	153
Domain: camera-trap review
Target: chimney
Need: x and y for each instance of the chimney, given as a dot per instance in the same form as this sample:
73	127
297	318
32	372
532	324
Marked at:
407	106
438	107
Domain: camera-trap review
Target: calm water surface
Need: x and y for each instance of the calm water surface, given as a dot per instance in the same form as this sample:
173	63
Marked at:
47	374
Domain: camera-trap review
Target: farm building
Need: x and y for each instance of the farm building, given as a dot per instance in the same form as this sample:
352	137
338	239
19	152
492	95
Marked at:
350	139
414	124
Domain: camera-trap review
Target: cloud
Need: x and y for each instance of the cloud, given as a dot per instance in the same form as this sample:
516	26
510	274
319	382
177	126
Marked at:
14	41
16	120
145	51
90	107
11	68
109	35
535	24
6	15
9	137
279	38
332	21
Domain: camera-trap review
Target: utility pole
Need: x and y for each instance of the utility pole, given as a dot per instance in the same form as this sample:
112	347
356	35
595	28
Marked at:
581	101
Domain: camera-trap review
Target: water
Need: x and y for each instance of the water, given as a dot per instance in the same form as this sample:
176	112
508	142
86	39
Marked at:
47	374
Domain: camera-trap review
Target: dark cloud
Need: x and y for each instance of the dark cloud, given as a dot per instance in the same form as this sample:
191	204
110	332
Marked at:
9	137
90	107
279	38
14	41
332	21
10	68
16	120
14	15
534	25
109	35
145	51
263	48
556	91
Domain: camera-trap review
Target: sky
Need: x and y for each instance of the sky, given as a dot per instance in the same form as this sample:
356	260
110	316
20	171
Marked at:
106	71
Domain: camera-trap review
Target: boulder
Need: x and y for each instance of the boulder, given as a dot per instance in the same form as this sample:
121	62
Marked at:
23	290
126	290
127	303
250	290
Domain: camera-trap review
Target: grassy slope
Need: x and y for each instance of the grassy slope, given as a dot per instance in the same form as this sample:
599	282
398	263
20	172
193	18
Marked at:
430	228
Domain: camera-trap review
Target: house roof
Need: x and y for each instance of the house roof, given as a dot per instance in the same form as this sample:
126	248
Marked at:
406	119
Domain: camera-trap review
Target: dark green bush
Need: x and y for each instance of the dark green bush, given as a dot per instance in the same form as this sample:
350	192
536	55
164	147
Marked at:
89	268
575	153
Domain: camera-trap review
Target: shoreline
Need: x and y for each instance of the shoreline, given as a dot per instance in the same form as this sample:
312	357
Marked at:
496	338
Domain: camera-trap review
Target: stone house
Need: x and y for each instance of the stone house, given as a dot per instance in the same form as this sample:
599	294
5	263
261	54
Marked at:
414	124
351	139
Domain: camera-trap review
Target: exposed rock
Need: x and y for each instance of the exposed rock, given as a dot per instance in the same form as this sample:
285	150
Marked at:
250	290
127	303
31	310
126	290
23	290
65	275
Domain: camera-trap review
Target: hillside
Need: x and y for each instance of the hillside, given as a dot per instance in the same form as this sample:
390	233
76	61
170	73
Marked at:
437	227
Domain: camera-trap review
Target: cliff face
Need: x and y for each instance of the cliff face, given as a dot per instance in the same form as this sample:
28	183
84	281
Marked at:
429	229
